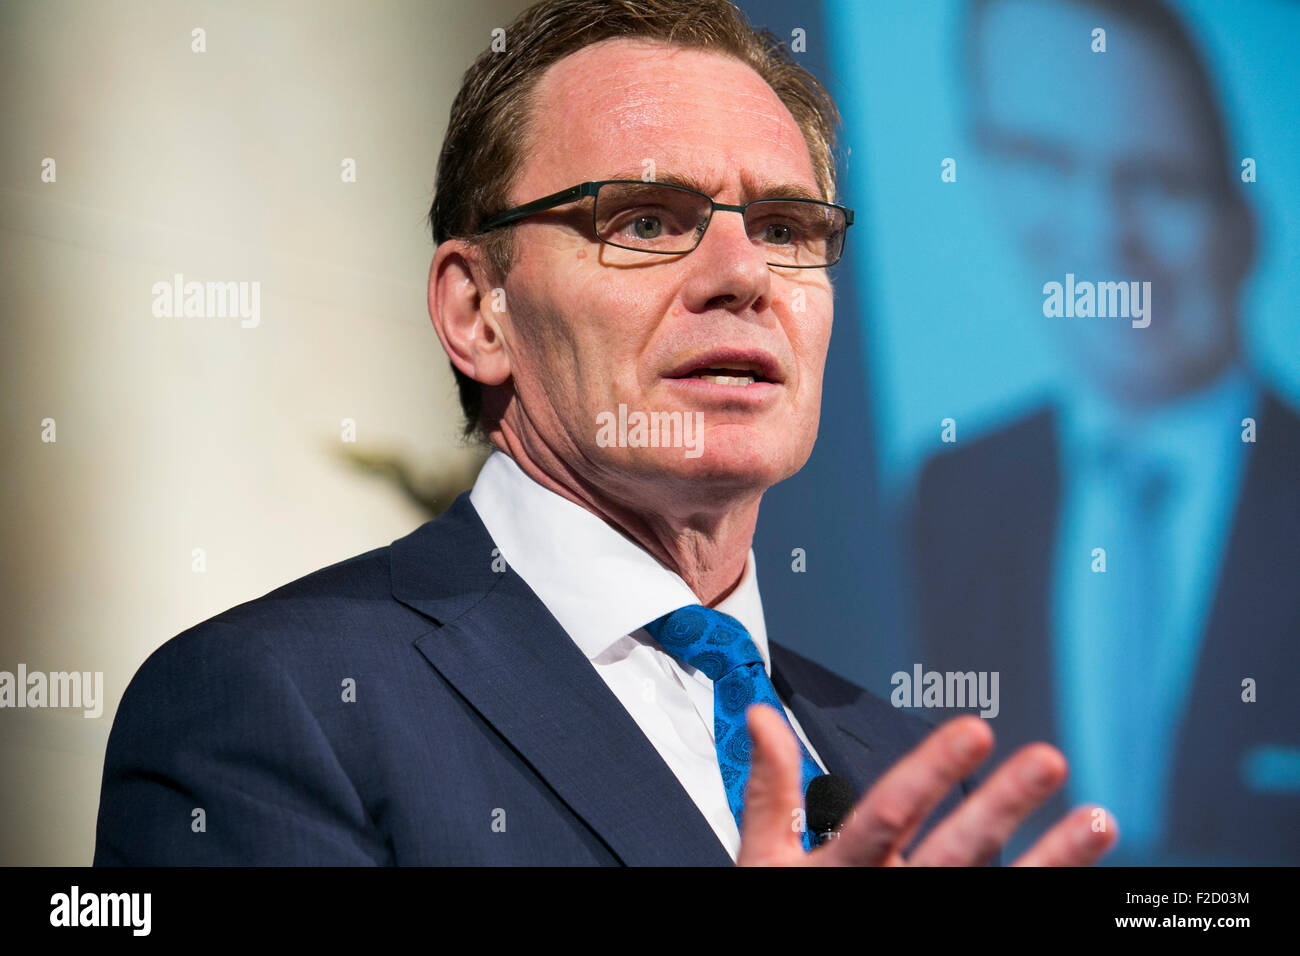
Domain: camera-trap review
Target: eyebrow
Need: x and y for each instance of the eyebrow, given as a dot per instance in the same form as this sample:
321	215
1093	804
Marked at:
764	189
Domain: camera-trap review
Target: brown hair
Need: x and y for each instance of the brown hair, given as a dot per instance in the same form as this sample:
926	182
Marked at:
488	131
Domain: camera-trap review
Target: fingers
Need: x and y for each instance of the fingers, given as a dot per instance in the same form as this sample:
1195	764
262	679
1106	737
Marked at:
1080	839
885	819
973	833
772	794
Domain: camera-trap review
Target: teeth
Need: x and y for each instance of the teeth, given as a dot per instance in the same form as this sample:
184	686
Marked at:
727	379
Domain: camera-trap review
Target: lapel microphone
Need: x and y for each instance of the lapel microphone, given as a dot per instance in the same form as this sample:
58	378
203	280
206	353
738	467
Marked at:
828	801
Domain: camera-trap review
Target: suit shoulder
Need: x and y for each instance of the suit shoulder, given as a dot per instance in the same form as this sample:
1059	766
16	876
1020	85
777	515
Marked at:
1003	447
362	577
1278	414
341	608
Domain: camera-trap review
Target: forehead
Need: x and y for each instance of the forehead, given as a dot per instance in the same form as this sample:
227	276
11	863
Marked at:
605	110
1039	75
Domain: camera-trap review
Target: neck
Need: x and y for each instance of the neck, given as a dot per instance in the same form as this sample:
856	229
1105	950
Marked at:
706	545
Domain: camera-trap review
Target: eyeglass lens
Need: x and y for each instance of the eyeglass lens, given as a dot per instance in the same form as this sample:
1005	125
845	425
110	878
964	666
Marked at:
665	220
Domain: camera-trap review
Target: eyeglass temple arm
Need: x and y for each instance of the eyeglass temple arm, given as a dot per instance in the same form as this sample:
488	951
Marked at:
539	205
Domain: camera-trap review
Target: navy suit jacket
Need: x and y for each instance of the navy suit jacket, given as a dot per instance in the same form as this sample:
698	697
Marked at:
984	533
479	733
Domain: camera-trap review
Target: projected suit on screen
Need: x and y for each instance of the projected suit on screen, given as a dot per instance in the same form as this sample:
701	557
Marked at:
1114	167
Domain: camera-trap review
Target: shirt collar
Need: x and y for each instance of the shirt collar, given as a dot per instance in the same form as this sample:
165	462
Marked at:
599	584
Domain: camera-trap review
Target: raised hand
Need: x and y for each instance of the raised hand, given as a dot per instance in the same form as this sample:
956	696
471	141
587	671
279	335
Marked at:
885	819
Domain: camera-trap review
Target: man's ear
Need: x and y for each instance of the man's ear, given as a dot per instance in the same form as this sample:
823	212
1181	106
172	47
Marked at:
466	311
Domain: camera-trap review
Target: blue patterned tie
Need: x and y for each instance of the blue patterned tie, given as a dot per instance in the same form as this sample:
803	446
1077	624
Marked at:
719	646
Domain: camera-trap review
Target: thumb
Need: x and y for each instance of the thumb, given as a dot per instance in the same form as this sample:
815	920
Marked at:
767	834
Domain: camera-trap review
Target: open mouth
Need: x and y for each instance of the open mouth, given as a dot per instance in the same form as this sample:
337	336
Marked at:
727	375
730	367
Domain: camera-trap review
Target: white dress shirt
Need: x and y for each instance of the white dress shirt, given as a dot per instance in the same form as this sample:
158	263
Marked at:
603	589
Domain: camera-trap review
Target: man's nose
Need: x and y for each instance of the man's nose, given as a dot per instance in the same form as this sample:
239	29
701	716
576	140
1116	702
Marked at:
728	269
1103	225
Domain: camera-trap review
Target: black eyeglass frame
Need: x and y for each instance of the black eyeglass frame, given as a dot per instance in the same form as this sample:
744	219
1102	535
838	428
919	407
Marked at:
582	190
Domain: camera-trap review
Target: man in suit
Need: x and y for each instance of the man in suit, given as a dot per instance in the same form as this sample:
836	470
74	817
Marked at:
560	669
1125	555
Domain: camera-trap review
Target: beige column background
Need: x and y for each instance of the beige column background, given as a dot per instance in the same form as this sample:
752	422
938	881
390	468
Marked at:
182	433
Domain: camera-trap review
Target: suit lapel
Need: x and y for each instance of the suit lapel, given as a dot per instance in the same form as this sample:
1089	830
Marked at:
1019	519
855	740
840	738
506	654
1250	633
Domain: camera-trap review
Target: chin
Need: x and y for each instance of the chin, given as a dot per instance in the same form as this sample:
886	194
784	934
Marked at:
1143	386
728	459
740	457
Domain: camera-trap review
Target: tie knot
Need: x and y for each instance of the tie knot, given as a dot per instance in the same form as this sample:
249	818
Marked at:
1145	477
707	640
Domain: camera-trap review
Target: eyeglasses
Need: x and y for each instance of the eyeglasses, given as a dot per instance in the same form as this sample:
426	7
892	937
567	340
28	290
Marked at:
665	220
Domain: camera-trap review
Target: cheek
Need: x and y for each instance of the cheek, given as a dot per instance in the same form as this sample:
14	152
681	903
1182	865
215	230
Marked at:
584	336
614	322
809	333
542	350
1182	239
